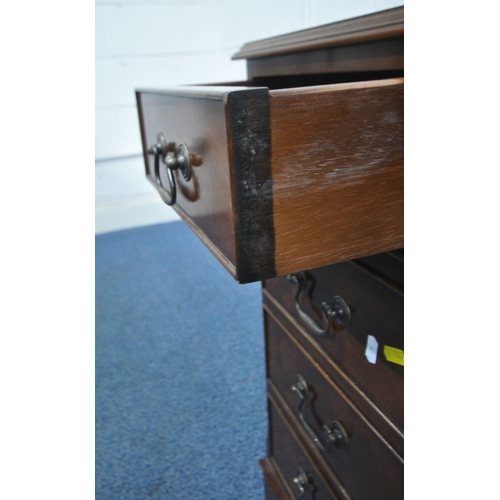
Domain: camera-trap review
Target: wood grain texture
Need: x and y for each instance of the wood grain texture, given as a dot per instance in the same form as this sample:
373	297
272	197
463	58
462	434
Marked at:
296	178
249	138
228	201
289	453
381	55
384	24
337	167
387	430
368	468
376	310
289	179
198	120
274	485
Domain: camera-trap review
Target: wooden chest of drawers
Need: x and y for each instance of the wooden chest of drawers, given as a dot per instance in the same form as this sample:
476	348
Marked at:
295	177
339	383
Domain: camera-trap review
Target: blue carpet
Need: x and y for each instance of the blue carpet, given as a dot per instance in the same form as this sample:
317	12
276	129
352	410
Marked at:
180	371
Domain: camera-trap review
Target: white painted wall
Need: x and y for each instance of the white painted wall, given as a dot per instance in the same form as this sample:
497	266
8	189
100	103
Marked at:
160	43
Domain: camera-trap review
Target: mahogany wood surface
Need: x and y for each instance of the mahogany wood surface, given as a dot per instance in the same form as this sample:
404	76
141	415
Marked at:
228	201
273	483
387	430
301	168
200	122
381	55
368	28
289	449
368	468
289	179
376	310
337	167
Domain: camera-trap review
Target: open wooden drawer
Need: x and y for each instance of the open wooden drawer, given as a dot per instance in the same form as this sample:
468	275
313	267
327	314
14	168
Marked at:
277	181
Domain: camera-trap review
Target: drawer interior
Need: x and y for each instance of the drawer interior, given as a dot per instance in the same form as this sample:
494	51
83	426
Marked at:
309	80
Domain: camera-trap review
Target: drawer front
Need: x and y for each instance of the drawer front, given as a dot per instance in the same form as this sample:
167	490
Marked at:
284	179
376	311
293	464
211	201
369	468
273	485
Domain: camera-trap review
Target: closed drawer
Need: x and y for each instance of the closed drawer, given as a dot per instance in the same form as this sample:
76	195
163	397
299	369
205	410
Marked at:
285	179
293	464
273	485
376	310
368	467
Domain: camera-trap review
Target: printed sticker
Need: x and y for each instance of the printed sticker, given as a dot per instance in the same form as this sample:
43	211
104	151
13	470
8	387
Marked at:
371	349
394	355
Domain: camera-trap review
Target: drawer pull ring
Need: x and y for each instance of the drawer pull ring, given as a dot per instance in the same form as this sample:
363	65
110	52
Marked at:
179	159
331	437
302	482
338	310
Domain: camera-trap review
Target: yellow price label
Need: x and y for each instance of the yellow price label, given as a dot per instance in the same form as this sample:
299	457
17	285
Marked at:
394	355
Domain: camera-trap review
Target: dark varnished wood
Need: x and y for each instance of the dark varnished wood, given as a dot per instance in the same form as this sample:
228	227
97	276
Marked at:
274	486
376	309
228	201
305	171
199	121
368	28
248	119
277	164
337	167
369	468
387	267
289	450
374	42
386	428
382	55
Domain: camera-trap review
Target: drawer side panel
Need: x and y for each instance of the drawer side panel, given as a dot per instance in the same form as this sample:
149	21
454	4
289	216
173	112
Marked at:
337	165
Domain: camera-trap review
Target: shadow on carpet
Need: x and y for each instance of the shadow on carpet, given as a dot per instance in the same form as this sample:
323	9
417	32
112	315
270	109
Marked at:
180	371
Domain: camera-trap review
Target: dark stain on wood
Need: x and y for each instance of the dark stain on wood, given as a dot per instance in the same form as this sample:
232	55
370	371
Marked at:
250	155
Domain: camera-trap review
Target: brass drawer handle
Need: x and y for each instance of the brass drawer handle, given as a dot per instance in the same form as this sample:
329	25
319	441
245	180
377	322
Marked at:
331	437
303	483
337	311
177	159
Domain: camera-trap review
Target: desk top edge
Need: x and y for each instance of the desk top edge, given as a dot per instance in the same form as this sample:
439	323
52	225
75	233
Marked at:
384	24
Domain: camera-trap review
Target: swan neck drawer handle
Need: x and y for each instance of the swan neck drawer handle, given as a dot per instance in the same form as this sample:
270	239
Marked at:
303	483
331	437
338	311
172	158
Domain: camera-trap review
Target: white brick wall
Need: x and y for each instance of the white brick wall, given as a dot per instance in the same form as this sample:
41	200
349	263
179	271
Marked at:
159	43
